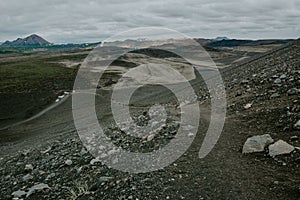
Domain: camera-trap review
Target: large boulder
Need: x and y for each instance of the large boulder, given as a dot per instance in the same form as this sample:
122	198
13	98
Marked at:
257	143
280	147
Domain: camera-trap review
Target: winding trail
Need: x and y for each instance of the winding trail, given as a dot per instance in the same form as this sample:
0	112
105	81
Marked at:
52	106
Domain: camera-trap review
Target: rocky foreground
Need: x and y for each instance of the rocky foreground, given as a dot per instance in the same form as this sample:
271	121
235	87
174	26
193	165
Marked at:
263	101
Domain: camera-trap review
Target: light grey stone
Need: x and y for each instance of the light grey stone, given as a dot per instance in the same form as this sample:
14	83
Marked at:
279	148
297	125
28	167
150	137
277	81
275	95
68	162
18	193
27	177
257	143
37	187
283	76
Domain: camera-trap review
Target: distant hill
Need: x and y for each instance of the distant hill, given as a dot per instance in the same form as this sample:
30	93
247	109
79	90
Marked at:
233	42
221	38
30	41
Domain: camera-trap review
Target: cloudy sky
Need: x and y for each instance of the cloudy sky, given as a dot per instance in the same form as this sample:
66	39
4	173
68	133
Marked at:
62	21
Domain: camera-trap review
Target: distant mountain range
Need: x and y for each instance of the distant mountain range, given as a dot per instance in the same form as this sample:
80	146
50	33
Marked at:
30	41
235	42
35	41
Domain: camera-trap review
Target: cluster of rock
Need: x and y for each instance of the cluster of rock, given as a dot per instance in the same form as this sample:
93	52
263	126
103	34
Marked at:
55	172
266	95
66	170
272	76
38	187
261	143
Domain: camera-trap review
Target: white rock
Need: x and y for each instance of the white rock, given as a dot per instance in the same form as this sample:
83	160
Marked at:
27	177
50	176
283	76
297	125
28	167
78	170
257	143
277	81
18	194
275	95
294	138
190	134
150	137
93	161
68	162
105	178
41	172
37	187
248	105
280	147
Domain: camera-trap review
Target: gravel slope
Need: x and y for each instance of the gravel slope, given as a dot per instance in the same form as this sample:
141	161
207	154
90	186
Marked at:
50	144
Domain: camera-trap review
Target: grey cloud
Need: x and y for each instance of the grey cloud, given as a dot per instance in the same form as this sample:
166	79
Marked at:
88	21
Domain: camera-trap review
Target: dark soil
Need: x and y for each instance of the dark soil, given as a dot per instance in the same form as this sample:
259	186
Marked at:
48	141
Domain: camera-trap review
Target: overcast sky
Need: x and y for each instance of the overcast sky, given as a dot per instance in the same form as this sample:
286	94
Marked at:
62	21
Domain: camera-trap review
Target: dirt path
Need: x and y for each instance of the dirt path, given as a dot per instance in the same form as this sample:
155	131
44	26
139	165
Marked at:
52	106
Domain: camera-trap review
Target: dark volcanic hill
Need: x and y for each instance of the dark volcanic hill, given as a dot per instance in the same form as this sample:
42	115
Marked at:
235	42
32	40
